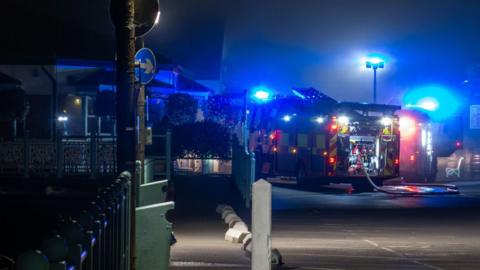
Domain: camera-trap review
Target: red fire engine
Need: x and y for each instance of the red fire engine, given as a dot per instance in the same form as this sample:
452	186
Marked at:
312	137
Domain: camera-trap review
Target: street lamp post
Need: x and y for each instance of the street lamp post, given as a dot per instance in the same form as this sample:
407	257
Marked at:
375	64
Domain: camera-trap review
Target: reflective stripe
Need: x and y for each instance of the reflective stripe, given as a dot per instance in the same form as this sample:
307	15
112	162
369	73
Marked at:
284	139
302	140
332	150
390	168
320	141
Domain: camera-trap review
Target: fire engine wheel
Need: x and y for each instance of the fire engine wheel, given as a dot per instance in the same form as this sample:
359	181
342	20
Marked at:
300	175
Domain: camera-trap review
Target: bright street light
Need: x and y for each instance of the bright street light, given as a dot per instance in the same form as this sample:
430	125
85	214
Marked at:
62	119
375	63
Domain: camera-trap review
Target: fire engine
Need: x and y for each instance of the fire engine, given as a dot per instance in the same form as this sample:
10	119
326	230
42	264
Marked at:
417	156
310	136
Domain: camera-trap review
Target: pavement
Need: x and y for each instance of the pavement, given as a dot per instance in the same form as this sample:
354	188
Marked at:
330	229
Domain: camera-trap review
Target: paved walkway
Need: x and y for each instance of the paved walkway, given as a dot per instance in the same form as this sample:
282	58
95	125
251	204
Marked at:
199	229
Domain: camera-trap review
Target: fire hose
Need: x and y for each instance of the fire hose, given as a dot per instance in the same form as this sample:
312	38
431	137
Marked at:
414	188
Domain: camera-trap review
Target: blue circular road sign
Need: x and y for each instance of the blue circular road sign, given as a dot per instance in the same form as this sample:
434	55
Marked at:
145	66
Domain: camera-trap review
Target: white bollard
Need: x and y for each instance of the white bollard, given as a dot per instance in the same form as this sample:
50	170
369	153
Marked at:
261	225
227	212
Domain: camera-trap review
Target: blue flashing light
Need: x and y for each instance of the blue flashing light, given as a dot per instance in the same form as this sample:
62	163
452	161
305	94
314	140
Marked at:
298	94
262	94
437	101
287	118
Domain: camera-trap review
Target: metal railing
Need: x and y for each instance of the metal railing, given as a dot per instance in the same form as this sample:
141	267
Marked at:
73	156
93	236
243	170
159	155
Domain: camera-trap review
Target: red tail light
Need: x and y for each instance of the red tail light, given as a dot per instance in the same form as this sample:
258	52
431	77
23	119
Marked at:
331	160
458	144
412	158
397	161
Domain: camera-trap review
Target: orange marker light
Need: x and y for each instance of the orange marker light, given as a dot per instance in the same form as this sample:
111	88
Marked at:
294	150
325	153
275	149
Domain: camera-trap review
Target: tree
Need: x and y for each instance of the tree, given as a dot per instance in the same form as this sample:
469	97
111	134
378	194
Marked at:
220	109
181	108
201	140
217	108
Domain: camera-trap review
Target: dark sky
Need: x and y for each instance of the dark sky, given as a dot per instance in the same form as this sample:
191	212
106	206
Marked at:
277	43
319	43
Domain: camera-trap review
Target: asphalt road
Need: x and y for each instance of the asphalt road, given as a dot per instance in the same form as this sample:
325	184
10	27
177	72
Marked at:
330	229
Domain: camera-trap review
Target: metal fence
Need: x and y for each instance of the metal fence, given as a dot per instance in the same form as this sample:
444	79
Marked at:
73	156
243	170
159	157
89	232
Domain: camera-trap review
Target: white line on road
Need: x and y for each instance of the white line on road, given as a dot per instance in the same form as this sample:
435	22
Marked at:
320	268
203	264
372	243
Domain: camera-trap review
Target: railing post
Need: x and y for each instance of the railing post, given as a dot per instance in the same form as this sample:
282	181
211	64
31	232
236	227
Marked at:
93	156
26	156
250	179
168	155
138	175
60	156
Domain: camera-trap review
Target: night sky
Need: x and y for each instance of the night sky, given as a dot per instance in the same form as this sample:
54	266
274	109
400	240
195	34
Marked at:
320	44
277	43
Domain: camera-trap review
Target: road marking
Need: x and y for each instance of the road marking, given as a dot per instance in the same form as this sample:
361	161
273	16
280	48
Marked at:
320	268
372	243
203	264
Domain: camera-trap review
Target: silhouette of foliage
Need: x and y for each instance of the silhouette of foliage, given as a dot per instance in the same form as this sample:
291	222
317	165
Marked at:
201	140
181	108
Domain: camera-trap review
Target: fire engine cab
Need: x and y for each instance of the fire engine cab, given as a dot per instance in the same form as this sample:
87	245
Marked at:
312	137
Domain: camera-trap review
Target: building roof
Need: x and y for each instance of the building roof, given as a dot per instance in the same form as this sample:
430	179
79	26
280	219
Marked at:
9	81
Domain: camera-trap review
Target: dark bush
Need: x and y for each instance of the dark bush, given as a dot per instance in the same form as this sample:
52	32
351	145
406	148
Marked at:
181	108
201	140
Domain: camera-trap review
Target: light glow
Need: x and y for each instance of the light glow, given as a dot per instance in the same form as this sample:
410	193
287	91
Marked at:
439	102
407	126
262	94
319	120
386	121
62	119
343	120
157	19
287	118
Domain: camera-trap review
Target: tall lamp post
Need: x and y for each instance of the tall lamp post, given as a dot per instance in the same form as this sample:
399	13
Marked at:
375	63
